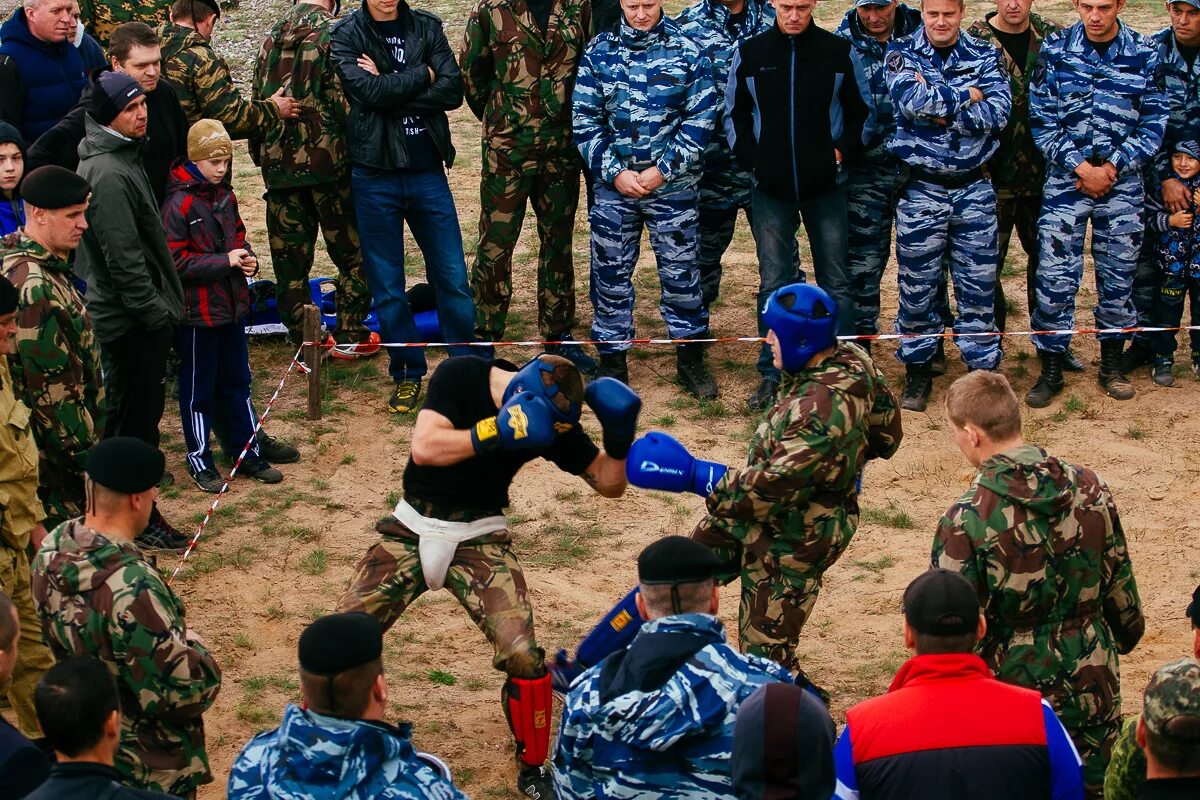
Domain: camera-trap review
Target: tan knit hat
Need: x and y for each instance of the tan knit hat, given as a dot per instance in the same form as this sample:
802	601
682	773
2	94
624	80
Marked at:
208	139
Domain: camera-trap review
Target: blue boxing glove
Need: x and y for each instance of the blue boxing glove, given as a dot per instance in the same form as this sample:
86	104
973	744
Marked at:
617	407
659	461
524	423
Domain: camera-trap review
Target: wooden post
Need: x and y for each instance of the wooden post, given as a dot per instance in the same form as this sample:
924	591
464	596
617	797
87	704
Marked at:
313	356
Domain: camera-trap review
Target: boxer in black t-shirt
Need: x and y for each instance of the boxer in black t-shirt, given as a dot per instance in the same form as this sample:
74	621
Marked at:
481	422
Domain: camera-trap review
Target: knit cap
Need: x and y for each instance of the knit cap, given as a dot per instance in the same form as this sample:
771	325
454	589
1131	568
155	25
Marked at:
111	92
208	139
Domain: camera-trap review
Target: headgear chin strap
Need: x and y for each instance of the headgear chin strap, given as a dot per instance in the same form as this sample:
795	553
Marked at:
804	319
538	377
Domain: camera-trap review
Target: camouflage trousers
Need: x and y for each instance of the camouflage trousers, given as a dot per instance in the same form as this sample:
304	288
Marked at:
33	656
779	583
61	492
1020	212
503	197
870	212
485	577
936	225
1116	241
293	218
672	216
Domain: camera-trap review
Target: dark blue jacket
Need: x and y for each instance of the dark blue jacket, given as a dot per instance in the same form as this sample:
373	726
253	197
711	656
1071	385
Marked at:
1176	250
23	766
39	82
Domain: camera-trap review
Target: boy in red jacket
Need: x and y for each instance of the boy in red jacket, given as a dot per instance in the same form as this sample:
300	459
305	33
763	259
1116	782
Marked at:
208	242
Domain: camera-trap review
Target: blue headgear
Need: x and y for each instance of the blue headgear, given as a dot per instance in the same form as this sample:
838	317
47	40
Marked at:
804	318
538	377
1189	147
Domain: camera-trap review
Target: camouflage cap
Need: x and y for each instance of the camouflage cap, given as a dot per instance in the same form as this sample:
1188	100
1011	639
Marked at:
1173	693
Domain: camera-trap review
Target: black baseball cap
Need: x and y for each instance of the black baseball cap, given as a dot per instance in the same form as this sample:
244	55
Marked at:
941	603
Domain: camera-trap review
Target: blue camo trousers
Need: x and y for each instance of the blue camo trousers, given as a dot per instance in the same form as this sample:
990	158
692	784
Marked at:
936	224
672	217
871	210
1116	241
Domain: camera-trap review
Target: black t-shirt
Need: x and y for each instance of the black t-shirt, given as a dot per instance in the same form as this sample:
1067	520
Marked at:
423	155
944	52
540	11
1015	44
1100	47
1188	53
460	390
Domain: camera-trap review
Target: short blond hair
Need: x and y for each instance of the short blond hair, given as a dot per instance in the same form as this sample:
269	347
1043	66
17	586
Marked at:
986	400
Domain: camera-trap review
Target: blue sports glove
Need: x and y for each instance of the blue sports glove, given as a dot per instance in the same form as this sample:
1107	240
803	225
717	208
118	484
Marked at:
617	407
659	461
524	423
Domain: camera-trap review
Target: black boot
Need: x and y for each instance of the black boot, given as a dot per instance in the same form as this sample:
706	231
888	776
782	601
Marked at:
917	386
1049	383
613	365
692	373
1136	355
1072	362
937	366
1115	384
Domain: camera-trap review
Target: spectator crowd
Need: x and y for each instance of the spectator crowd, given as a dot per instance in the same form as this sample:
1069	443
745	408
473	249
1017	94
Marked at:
124	266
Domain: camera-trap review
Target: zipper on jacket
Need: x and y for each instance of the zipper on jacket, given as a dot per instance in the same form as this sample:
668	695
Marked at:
792	109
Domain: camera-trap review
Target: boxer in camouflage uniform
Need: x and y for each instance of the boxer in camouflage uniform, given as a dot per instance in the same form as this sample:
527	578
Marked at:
99	597
872	181
1042	543
1176	47
518	62
101	17
56	364
201	77
307	175
1097	109
719	26
482	420
781	521
644	107
952	100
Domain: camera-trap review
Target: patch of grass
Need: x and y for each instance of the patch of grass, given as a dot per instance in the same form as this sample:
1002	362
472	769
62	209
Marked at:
475	684
712	409
320	484
569	544
349	458
464	775
315	562
1135	431
892	516
665	421
243	641
876	566
442	678
256	713
393	498
568	495
171	492
275	612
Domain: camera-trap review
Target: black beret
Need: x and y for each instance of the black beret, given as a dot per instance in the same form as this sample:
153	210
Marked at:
8	296
941	603
338	642
125	464
53	187
676	559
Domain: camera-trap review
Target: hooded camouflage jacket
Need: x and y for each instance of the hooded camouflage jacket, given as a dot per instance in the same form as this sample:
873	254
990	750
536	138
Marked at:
310	150
518	81
797	493
1018	167
55	368
656	719
1041	542
205	88
311	755
98	596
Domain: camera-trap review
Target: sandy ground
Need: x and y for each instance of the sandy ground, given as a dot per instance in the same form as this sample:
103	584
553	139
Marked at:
277	557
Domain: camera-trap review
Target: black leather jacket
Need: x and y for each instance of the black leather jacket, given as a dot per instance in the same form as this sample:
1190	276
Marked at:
378	104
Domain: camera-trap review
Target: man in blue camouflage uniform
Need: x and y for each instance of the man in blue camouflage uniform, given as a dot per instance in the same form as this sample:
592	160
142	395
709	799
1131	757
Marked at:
644	107
952	100
719	26
870	25
1098	111
1176	46
656	719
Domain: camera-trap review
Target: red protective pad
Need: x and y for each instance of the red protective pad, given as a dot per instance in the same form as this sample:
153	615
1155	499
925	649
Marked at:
530	703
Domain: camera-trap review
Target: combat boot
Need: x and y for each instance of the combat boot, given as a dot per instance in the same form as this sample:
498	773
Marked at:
692	372
1136	355
937	365
1115	384
1071	362
917	386
1049	383
614	365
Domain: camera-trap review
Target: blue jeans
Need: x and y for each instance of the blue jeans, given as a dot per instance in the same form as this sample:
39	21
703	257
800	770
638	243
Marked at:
774	225
383	201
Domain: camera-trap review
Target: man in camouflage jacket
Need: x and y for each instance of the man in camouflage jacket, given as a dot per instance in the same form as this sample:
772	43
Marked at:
201	77
306	172
518	61
99	597
102	17
1018	168
56	363
1041	541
